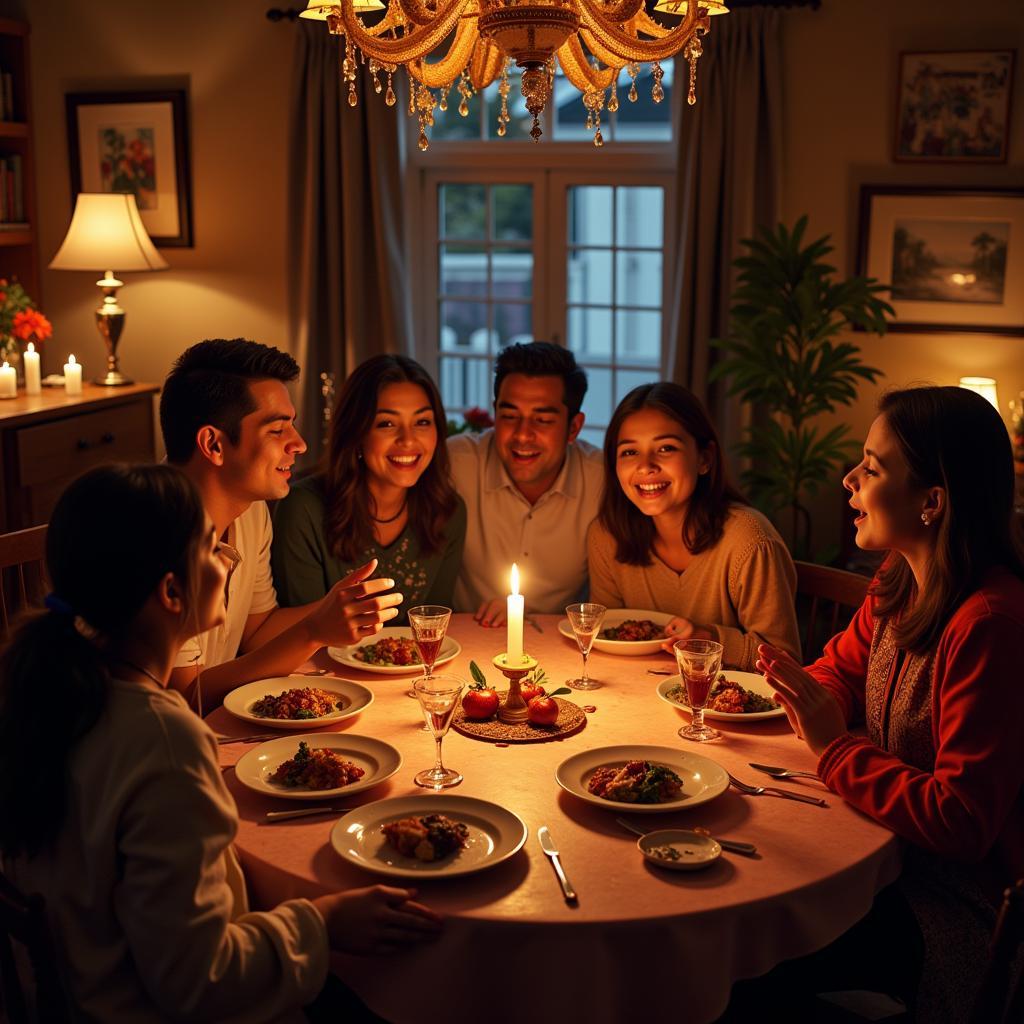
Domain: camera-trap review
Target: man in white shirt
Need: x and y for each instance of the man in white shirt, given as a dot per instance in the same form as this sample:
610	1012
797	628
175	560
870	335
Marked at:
229	424
531	488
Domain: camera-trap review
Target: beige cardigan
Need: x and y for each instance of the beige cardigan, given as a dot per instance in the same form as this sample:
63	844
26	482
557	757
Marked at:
743	588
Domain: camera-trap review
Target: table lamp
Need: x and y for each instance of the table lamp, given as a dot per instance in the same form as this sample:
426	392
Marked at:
107	231
984	386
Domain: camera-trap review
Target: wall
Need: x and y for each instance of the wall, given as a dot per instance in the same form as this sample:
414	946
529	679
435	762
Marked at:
235	65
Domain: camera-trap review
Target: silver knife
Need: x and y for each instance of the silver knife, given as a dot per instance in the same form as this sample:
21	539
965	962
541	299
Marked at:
303	813
547	844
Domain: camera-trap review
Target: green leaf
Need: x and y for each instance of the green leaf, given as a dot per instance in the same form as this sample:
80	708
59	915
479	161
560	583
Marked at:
478	676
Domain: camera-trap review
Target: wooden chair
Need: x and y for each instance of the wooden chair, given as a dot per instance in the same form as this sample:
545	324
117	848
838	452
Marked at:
826	601
1001	997
25	931
22	575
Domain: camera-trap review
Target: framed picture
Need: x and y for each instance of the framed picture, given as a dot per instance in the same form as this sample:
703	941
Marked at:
954	106
135	142
954	257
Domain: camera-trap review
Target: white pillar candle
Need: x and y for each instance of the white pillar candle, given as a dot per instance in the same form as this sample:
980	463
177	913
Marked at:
9	382
514	646
72	377
32	386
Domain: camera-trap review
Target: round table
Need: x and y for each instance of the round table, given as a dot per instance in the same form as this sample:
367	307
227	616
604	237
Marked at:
642	942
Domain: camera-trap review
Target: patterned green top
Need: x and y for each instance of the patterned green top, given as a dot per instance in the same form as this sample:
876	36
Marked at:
305	568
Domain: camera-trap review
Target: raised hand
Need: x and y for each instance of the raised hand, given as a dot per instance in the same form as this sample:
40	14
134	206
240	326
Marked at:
683	629
350	611
377	920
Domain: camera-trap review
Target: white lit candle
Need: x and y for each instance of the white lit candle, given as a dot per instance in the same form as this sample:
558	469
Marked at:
72	377
514	647
32	386
9	387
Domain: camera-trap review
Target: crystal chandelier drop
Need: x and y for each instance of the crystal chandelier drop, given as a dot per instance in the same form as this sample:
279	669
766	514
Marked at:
472	43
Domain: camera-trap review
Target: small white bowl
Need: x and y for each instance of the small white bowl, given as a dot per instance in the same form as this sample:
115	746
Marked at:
695	850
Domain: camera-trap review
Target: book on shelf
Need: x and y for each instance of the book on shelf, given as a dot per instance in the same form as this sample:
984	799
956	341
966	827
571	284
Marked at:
12	192
15	225
7	94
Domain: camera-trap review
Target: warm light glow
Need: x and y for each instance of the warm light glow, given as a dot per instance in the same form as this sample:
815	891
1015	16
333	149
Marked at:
71	361
984	386
31	347
515	579
962	279
107	233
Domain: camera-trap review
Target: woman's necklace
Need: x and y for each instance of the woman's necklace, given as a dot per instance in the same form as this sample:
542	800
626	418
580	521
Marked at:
392	518
145	671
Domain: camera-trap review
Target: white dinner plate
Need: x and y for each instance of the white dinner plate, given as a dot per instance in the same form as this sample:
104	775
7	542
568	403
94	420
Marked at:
613	617
748	680
495	834
379	760
702	778
355	697
346	655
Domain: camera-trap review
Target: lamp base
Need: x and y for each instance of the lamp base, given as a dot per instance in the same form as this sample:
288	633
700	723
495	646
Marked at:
113	379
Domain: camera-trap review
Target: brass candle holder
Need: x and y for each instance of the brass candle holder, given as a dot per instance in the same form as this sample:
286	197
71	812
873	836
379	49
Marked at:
514	707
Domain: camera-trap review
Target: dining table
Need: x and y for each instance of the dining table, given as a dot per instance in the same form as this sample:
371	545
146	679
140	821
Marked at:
639	942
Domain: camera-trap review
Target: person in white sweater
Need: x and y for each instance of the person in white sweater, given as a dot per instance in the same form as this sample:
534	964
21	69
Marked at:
123	823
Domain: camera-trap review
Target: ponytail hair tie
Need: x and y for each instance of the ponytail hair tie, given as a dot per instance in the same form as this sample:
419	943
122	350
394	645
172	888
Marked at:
58	605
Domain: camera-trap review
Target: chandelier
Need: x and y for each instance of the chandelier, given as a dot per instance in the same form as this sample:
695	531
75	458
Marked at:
473	43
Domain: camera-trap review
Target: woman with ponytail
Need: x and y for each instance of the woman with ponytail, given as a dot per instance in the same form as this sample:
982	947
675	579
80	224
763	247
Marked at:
112	804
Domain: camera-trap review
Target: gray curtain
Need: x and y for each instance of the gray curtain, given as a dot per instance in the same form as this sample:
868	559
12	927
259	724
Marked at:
347	271
729	182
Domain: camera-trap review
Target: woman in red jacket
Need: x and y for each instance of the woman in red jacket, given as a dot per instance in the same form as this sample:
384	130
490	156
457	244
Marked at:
931	667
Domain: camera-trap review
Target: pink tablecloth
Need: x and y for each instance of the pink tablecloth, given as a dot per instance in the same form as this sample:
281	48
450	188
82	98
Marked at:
643	942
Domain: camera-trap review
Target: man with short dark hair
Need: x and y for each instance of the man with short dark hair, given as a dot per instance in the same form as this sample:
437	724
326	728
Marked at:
530	487
229	424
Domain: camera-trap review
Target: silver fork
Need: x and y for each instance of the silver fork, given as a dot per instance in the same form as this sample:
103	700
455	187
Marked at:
783	773
744	787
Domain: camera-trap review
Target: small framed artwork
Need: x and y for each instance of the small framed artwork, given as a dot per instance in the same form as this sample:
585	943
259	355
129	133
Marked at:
954	107
135	142
953	257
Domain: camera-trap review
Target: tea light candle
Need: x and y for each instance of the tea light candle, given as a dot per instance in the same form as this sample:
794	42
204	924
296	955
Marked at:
32	386
514	645
9	383
72	377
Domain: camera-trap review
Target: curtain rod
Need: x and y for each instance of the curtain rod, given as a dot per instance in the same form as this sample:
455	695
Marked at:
291	13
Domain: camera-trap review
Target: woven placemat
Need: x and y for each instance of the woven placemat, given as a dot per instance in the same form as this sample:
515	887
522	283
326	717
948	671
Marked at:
570	720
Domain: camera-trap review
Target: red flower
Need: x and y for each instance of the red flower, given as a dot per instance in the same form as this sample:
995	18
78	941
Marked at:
478	419
31	323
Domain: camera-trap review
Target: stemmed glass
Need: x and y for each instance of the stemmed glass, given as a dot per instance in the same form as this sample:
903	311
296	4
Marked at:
438	697
585	620
429	623
699	663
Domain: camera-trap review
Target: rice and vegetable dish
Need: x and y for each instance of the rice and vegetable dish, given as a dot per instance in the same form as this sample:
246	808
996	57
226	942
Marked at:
392	650
636	782
299	703
728	698
316	769
633	630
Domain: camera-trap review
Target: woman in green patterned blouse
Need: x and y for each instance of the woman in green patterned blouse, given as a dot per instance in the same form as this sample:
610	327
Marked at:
383	492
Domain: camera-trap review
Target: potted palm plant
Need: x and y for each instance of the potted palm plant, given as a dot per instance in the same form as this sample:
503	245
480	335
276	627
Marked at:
783	354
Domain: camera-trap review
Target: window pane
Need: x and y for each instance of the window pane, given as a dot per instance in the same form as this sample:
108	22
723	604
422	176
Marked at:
638	336
592	436
570	116
645	120
513	212
626	380
590	275
465	320
511	273
590	215
598	401
463	213
638	278
450	124
639	214
513	322
464	383
590	334
463	270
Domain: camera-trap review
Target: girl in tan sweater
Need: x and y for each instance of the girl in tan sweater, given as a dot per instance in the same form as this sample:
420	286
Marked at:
673	535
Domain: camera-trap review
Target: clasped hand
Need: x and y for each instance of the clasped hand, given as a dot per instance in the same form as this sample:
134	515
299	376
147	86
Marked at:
349	612
683	629
376	920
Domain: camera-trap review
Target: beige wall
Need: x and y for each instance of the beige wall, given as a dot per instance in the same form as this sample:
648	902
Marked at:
236	67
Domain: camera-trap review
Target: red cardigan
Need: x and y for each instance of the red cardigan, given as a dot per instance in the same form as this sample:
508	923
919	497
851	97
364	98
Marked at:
970	806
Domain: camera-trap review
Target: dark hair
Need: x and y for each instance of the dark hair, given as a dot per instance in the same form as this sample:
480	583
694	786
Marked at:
209	383
115	533
542	359
709	504
951	438
432	500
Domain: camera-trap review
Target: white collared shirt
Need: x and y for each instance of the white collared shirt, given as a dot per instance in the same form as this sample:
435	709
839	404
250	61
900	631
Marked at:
547	540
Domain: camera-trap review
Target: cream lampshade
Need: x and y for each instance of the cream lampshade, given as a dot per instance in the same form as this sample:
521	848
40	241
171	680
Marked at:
107	231
985	386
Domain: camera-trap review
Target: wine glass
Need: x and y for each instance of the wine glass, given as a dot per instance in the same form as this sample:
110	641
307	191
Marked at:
699	662
438	697
585	620
429	623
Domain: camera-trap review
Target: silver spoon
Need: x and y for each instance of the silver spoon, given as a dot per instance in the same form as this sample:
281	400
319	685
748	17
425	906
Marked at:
747	849
782	773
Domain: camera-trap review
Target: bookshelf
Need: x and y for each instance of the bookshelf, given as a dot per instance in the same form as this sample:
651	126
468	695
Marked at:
19	255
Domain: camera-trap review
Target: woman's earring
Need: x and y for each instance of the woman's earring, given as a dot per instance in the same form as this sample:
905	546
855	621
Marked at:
359	454
925	519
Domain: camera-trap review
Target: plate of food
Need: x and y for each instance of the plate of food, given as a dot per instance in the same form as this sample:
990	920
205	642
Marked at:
317	765
642	779
391	651
298	702
428	836
629	631
735	697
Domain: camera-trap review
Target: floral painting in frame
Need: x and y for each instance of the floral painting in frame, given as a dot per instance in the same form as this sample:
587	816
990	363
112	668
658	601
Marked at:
137	143
954	106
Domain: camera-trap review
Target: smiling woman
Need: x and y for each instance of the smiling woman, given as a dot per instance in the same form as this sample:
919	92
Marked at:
384	492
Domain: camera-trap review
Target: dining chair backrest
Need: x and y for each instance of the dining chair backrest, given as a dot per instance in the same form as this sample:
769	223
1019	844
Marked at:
826	601
22	573
1001	997
26	950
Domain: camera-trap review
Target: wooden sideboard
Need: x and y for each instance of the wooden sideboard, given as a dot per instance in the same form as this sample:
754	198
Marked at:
49	439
